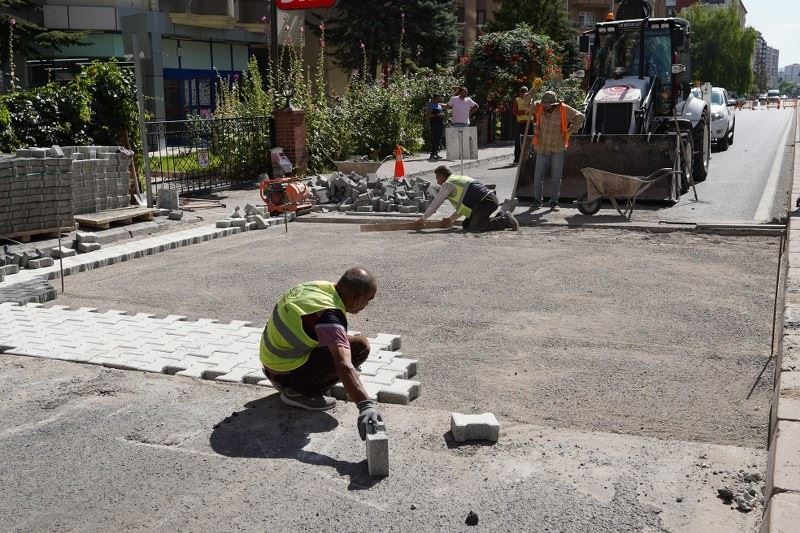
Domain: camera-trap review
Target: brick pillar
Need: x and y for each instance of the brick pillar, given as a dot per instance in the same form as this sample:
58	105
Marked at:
290	134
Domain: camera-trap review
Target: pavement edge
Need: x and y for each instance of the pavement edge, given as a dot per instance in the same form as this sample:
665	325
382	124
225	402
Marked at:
782	497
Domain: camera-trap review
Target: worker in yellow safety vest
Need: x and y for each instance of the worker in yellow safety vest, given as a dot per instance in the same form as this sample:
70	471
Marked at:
305	348
555	122
471	199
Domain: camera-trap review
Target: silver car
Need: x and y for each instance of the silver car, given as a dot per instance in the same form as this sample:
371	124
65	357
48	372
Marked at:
723	116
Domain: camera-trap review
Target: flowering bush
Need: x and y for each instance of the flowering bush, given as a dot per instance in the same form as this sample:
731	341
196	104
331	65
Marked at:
500	63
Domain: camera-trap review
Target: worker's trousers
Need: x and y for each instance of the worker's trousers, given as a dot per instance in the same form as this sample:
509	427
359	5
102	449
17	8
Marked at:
552	165
481	218
318	374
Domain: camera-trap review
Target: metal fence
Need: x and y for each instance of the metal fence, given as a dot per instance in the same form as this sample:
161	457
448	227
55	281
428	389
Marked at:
201	155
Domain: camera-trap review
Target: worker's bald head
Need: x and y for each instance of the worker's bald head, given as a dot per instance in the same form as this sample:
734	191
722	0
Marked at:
357	287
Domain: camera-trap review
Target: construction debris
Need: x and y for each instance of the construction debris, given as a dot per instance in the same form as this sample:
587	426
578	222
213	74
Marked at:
366	193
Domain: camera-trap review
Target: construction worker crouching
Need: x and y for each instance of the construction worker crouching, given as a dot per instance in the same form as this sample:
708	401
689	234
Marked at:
472	200
305	348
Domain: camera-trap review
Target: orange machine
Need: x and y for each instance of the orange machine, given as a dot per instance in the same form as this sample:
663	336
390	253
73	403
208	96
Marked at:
283	195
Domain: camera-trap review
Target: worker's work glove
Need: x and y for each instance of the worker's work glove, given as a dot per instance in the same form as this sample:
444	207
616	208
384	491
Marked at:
367	415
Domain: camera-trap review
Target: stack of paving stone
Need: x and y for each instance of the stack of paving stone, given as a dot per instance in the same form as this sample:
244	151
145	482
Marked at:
253	218
100	178
368	193
35	192
42	188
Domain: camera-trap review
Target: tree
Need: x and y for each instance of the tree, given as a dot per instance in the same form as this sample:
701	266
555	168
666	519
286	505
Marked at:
544	17
721	50
500	62
21	37
374	32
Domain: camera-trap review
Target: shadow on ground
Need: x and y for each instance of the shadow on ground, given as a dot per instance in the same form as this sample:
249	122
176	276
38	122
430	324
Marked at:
267	429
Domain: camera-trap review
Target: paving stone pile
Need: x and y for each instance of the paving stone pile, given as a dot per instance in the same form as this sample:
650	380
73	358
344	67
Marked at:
367	193
28	291
42	188
253	218
203	349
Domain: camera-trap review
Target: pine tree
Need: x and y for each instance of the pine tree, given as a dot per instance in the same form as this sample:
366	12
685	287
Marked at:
373	30
21	37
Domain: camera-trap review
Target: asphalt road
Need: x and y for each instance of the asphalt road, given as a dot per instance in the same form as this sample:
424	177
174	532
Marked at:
618	363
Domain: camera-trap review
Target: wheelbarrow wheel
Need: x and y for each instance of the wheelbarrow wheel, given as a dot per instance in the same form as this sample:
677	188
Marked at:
588	208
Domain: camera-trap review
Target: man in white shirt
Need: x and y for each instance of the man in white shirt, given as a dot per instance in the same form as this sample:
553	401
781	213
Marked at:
463	108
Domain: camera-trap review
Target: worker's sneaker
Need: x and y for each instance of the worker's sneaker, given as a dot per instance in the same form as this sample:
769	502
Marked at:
553	205
310	403
511	221
535	204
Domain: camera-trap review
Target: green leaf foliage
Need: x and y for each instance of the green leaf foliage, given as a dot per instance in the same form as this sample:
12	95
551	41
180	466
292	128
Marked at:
544	17
500	63
424	31
720	49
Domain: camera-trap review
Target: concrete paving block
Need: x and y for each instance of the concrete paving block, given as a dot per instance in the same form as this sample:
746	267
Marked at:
377	446
402	367
265	383
238	222
789	396
393	342
370	368
84	247
236	375
62	252
474	427
83	236
382	377
401	392
782	513
786	453
42	262
224	223
10	269
254	377
383	356
338	392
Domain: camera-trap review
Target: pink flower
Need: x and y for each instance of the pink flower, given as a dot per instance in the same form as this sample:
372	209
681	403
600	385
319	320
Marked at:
403	31
302	30
264	19
13	22
322	43
363	46
321	26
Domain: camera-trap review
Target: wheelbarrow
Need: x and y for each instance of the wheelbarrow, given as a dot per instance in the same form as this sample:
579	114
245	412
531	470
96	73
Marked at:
601	184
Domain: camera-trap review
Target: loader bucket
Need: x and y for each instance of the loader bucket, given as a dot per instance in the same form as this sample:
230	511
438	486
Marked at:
631	155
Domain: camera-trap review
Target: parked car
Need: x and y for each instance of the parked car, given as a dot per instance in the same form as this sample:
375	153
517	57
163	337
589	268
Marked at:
723	116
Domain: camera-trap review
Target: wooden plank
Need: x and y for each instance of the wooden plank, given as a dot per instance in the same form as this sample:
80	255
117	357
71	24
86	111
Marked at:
125	215
25	236
393	226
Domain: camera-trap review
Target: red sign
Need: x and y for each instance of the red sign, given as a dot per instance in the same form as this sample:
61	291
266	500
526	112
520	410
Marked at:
289	5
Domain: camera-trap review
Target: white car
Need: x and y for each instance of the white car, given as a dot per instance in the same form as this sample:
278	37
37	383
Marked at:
723	116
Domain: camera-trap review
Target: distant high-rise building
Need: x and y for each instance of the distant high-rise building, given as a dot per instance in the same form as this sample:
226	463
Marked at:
791	73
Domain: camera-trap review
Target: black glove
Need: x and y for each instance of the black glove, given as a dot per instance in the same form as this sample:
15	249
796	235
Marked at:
367	414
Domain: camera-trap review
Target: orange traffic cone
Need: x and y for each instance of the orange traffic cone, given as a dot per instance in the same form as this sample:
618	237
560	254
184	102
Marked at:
399	168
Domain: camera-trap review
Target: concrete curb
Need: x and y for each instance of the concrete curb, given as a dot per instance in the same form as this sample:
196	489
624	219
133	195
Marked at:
782	496
650	227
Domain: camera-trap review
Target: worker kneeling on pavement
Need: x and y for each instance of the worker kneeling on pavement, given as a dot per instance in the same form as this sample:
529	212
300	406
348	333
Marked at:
472	200
305	348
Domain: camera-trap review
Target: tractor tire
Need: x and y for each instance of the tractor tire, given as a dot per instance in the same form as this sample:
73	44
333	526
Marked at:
701	136
688	165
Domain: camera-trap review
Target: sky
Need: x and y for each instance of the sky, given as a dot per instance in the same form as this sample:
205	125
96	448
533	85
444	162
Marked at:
779	23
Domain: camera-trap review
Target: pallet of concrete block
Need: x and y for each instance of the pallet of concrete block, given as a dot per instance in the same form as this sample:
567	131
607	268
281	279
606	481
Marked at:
122	216
35	192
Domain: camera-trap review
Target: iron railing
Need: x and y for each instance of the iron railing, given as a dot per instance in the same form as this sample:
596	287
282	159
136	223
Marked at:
200	155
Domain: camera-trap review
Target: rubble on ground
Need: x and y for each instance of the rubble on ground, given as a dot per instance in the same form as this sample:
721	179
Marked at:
366	193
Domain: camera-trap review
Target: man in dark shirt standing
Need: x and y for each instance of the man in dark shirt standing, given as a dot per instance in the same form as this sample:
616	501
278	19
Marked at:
305	348
435	113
